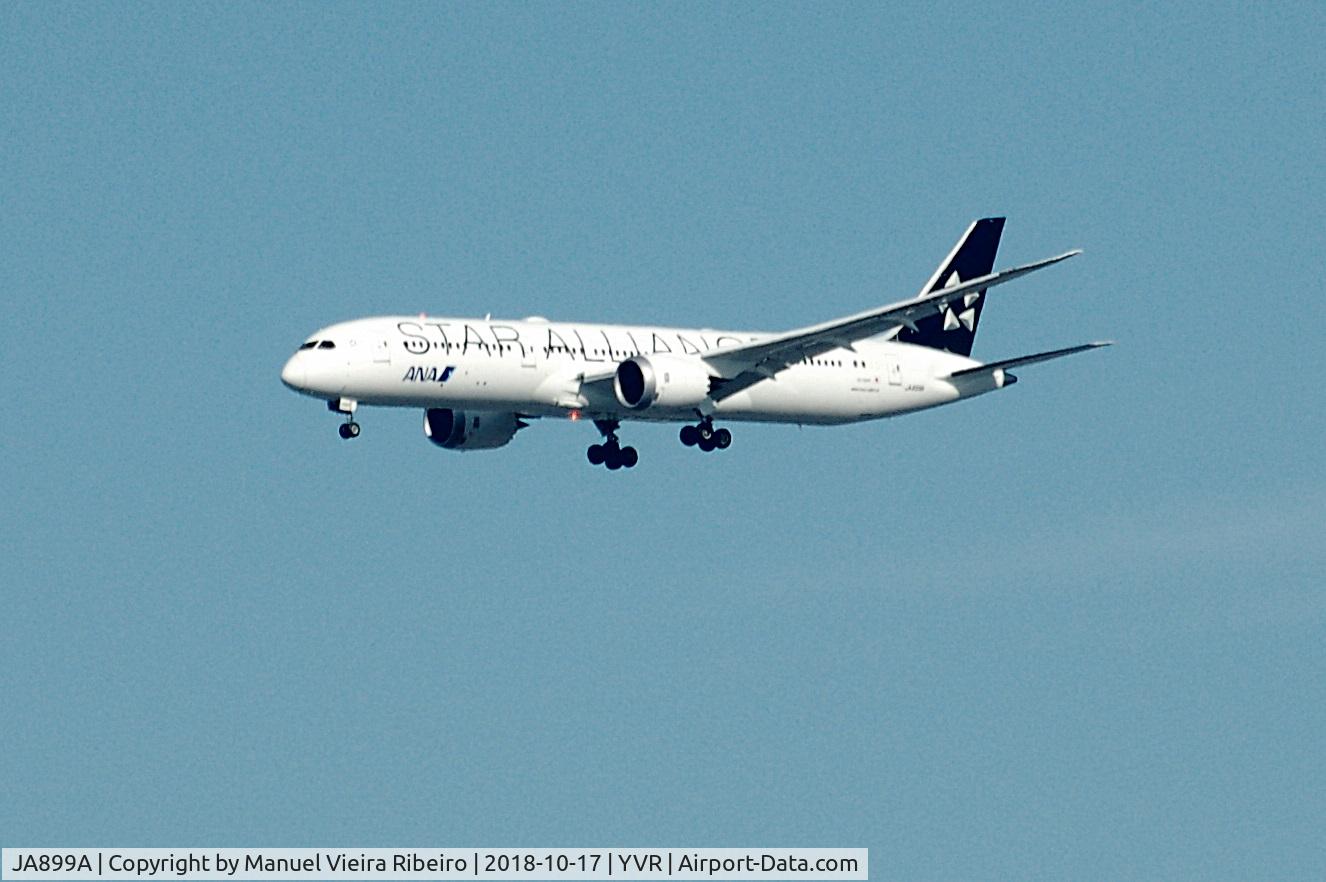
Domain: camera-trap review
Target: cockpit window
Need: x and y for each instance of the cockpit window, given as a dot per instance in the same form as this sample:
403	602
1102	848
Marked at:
309	345
326	344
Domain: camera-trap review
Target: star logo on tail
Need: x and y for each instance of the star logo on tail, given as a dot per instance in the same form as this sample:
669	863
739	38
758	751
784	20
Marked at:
966	318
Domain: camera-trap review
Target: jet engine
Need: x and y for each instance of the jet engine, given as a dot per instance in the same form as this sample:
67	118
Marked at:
470	430
660	380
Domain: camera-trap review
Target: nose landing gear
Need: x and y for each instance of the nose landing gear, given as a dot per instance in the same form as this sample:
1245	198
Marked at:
704	436
610	453
348	429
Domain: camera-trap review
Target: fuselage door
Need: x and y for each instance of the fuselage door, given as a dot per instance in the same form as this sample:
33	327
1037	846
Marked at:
381	351
893	368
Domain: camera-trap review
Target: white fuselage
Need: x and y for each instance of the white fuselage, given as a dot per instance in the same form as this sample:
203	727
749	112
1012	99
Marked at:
537	368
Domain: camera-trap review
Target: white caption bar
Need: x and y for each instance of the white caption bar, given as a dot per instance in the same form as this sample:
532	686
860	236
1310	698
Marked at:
198	864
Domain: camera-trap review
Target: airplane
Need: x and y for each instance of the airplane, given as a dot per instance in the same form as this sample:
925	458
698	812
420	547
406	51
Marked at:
480	381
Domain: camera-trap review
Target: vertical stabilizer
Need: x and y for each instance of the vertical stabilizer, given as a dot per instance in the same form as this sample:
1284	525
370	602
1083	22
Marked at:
953	328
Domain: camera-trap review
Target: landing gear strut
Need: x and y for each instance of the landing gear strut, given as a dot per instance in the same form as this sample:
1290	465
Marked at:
704	436
610	453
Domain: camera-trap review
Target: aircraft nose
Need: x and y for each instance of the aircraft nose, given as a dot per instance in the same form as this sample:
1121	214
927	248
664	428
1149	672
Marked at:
293	373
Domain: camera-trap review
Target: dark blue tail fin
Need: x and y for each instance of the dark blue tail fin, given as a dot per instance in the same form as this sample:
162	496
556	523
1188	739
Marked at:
954	328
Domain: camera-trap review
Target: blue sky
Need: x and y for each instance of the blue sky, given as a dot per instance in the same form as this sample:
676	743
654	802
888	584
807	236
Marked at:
1071	630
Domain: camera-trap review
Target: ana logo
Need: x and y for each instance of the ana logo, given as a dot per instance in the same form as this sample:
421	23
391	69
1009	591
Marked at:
428	374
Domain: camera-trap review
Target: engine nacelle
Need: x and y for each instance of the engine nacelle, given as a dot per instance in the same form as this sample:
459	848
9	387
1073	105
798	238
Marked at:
660	381
470	430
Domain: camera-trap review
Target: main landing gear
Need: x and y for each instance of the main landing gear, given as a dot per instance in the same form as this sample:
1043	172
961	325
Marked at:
348	429
704	436
610	453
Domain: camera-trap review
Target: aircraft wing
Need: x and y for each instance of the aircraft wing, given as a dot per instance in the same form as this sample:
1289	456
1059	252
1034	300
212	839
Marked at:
743	365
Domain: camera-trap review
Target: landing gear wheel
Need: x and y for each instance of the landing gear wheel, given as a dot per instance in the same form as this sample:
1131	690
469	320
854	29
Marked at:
348	430
610	453
705	436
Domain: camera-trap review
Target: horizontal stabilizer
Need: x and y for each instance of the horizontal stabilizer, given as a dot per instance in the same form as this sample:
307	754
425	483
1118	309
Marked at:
1026	360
